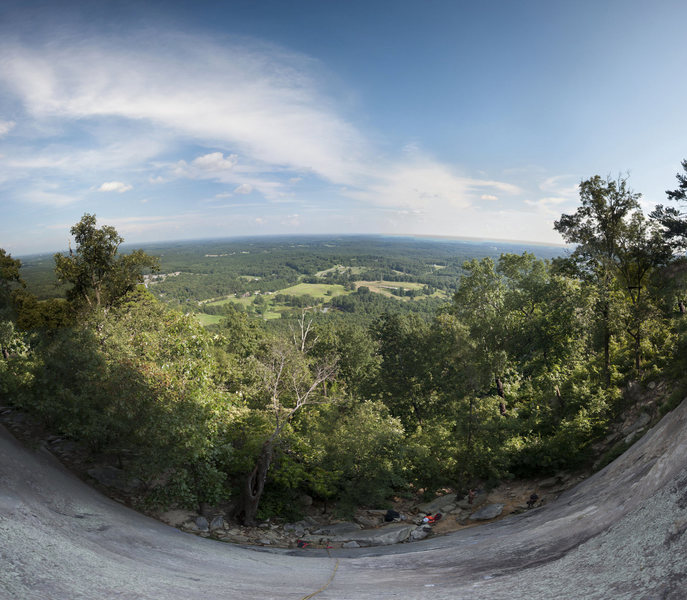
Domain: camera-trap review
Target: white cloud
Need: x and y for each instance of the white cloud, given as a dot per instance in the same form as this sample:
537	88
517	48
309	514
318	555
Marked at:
260	100
215	162
256	116
427	185
115	186
411	148
120	154
546	201
560	185
227	170
416	185
244	188
548	205
292	220
6	127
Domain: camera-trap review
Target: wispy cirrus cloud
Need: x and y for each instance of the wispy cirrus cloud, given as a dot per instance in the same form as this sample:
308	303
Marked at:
258	99
49	195
214	119
427	185
244	188
562	186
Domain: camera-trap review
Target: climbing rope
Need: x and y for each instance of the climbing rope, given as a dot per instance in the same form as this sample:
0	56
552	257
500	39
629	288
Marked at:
326	585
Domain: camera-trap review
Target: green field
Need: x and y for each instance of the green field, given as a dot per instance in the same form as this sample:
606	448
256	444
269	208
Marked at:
340	269
273	310
206	320
385	287
244	301
319	291
316	290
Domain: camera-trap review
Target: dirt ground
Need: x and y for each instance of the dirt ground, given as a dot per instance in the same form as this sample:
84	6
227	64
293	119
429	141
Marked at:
512	494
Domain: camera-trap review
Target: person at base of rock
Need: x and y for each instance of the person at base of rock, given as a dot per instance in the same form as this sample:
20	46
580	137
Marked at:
471	495
532	501
431	519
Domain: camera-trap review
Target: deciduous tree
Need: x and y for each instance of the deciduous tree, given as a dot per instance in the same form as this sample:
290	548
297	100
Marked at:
98	273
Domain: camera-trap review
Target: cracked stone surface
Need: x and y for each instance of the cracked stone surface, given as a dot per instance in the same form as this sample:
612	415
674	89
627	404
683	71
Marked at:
619	534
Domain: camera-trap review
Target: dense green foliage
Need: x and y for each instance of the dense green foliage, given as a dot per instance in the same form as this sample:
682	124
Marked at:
352	395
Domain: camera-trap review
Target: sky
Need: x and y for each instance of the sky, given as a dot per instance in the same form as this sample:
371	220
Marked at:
190	120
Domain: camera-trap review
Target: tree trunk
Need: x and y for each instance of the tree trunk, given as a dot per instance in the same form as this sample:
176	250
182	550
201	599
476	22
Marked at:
469	440
416	410
681	305
607	346
499	388
254	486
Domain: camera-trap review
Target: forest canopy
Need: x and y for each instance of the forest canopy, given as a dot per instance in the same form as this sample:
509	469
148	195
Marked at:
356	393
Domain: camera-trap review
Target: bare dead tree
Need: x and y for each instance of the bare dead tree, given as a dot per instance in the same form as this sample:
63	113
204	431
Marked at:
303	333
292	385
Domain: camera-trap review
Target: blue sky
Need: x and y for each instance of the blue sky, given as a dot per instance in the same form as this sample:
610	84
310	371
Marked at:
209	119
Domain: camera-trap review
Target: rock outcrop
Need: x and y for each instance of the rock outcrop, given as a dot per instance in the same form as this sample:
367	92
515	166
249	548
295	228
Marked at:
620	534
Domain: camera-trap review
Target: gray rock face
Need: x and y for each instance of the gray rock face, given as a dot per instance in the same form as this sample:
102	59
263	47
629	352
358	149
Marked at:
441	504
109	477
420	533
620	534
491	511
177	517
337	529
393	533
367	520
642	421
350	545
384	536
477	501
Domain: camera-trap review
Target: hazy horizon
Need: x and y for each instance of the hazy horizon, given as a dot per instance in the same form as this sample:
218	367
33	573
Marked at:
234	238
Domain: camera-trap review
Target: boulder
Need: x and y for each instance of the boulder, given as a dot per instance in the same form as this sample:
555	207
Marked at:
477	501
176	518
491	511
236	538
351	545
217	522
439	504
296	528
110	477
393	533
367	520
338	529
202	523
550	482
420	533
643	420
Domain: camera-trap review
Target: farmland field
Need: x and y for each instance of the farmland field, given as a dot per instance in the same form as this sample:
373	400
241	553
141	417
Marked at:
316	290
206	320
